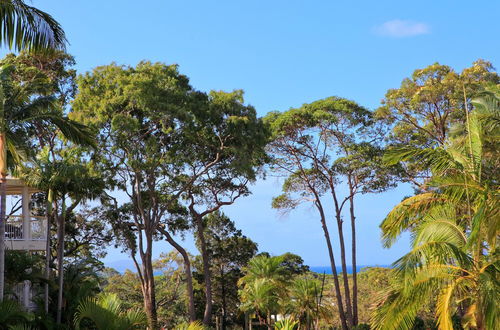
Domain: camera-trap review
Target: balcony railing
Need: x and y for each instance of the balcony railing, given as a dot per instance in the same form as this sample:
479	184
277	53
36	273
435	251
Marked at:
37	228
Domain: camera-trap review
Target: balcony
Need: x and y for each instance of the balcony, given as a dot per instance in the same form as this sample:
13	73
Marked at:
31	239
24	231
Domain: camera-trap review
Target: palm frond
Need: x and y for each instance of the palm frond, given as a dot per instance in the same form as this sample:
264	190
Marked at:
26	27
406	214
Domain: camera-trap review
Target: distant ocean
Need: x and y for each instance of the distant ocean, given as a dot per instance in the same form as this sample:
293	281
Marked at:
122	265
328	269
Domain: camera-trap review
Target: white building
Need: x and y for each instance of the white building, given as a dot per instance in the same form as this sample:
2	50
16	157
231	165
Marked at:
24	232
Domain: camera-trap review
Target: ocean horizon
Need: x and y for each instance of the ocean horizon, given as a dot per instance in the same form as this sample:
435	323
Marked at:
328	269
122	265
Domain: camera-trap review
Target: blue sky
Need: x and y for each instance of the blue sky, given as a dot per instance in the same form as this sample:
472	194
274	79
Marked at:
284	54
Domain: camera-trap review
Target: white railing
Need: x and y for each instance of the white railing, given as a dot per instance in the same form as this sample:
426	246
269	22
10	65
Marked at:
37	228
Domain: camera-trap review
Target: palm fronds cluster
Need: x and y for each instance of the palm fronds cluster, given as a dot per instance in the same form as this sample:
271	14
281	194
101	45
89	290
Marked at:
268	288
454	224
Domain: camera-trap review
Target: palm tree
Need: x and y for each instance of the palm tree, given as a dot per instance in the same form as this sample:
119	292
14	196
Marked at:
260	297
26	114
22	27
454	226
270	268
106	313
62	180
303	301
263	287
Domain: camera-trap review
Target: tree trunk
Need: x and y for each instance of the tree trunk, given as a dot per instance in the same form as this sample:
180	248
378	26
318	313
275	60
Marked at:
3	200
187	270
150	303
354	265
223	295
348	306
60	258
47	249
148	288
207	316
338	294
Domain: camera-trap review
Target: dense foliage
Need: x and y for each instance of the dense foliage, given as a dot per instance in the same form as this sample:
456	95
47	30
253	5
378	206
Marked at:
131	155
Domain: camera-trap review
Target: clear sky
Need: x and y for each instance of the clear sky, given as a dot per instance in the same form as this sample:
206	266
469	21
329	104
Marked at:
284	54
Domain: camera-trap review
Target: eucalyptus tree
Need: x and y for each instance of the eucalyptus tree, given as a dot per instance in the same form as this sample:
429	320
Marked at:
455	226
22	27
139	114
318	148
221	153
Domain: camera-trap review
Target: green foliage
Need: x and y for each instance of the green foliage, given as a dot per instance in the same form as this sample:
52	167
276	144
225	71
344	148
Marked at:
106	313
229	251
191	326
170	289
303	301
11	313
424	109
26	27
286	324
454	229
22	266
273	285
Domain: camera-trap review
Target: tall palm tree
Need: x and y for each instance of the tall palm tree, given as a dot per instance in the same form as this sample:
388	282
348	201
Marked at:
454	226
62	179
22	27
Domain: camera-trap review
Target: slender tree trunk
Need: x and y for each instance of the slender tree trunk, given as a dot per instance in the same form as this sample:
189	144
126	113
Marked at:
148	289
49	213
338	294
354	265
3	200
223	295
207	316
345	277
187	270
60	258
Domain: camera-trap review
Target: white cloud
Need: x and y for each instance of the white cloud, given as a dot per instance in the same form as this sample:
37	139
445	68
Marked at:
402	28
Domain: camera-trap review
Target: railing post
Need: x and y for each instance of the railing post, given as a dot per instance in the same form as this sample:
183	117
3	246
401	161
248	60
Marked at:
26	214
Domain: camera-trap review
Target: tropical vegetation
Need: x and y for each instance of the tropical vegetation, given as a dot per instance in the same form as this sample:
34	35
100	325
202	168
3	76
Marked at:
126	156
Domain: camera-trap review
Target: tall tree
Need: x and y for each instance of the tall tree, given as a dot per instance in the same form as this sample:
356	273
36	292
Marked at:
139	114
229	252
22	27
318	148
222	151
70	181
